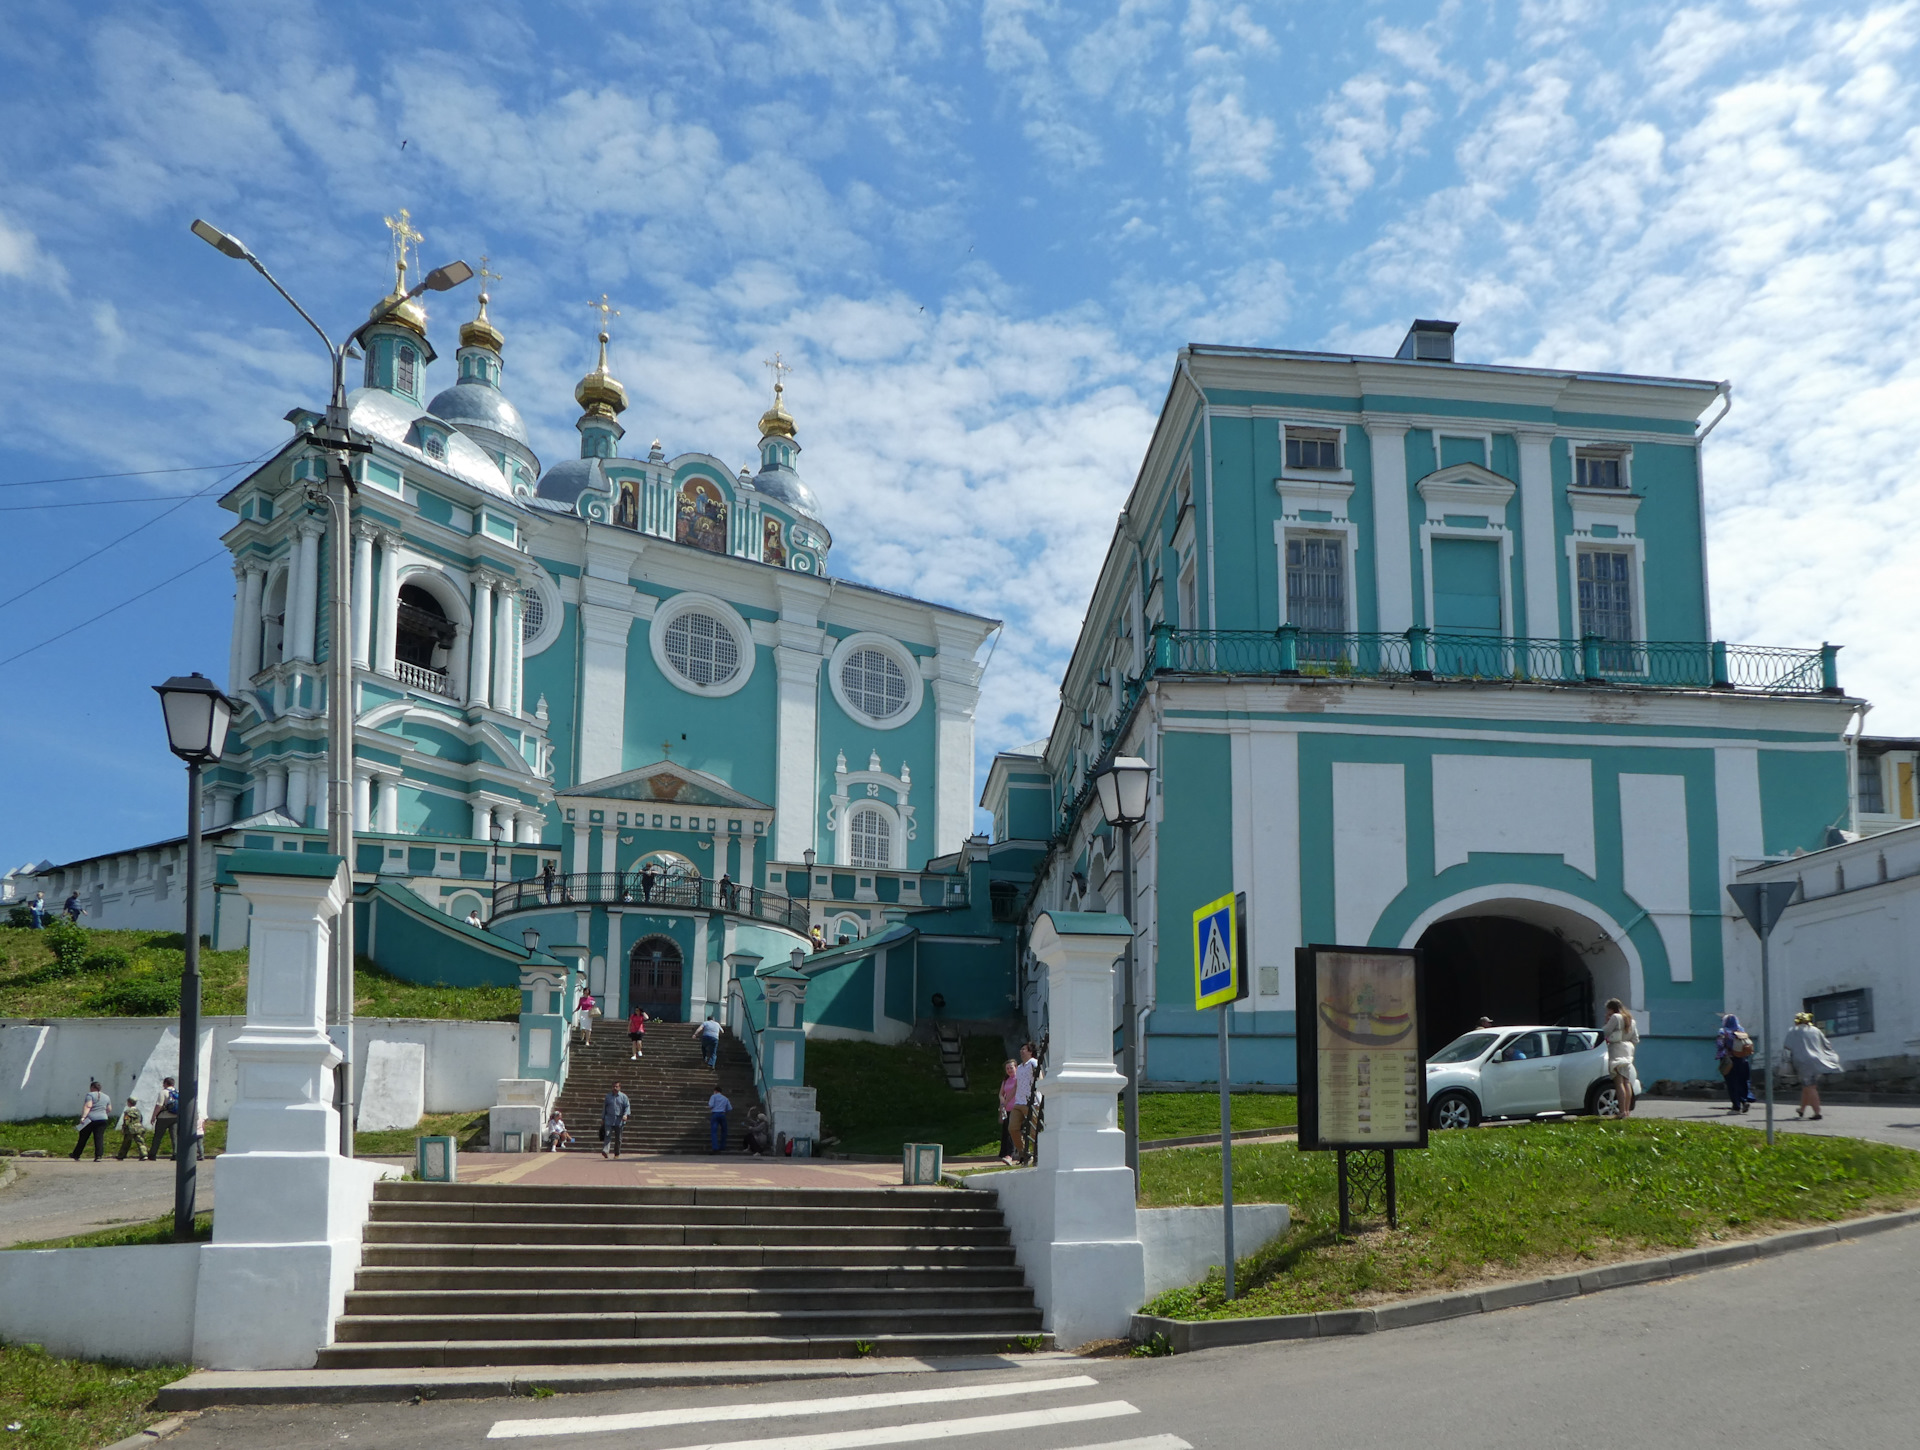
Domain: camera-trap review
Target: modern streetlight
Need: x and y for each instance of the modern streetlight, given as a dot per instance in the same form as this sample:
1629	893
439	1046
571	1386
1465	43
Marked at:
197	716
1122	787
337	440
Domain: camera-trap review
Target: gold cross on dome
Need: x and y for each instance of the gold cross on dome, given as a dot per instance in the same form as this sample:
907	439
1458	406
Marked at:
666	749
605	309
404	233
486	275
778	368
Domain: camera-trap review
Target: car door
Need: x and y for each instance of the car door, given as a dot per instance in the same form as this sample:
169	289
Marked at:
1582	1059
1520	1078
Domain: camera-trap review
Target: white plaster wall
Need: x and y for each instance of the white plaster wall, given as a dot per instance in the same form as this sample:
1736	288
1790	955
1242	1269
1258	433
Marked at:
1736	788
45	1067
129	1305
1369	845
393	1093
1653	850
1266	767
1182	1244
1527	805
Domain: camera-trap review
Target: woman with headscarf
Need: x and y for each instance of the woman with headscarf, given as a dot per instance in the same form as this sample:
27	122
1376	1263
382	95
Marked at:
1734	1051
1807	1046
1622	1038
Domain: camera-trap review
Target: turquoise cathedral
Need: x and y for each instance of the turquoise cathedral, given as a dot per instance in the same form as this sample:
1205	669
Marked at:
1420	653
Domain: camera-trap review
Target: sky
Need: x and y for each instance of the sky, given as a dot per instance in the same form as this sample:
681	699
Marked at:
979	231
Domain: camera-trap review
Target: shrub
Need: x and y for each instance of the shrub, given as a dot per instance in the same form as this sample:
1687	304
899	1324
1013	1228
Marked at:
68	943
20	916
105	959
141	996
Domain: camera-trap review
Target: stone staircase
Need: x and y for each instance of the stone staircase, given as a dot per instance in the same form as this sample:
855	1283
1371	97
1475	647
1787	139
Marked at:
519	1274
668	1088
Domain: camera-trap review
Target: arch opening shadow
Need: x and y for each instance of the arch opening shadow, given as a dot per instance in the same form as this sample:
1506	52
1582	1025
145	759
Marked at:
654	972
1509	970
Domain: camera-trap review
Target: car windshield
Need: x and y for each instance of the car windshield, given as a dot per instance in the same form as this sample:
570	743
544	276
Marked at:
1465	1049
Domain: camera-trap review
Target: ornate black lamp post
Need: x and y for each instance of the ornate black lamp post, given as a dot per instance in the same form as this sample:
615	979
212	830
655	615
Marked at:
197	716
1123	787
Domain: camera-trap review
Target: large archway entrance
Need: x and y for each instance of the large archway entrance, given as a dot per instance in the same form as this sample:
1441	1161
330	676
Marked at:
1545	958
653	977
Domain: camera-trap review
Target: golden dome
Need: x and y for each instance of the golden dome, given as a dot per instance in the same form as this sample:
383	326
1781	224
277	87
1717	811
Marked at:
409	314
776	422
481	332
599	391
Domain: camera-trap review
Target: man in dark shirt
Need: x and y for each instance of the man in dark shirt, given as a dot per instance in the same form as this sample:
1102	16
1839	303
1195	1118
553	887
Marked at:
613	1119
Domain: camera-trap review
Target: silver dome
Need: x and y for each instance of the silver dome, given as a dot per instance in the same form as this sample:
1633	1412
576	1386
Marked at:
566	482
381	415
482	406
781	483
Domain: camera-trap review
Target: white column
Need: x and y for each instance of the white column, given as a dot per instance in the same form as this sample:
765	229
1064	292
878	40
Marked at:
604	627
362	800
308	556
317	792
1392	544
389	816
362	595
275	778
526	828
236	653
796	720
609	838
581	863
387	602
1537	536
480	670
955	696
503	603
297	792
250	638
482	821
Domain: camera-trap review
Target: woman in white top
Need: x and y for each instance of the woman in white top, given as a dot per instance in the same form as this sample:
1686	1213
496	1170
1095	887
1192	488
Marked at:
1812	1055
1622	1036
94	1113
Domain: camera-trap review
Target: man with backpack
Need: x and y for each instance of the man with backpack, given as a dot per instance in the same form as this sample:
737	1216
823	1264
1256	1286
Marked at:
166	1119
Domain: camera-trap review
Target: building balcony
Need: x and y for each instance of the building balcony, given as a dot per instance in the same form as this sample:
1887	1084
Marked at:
668	894
418	677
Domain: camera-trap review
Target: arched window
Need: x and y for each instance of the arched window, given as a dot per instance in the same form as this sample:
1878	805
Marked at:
423	635
653	977
273	622
702	649
403	369
869	838
533	613
434	446
874	683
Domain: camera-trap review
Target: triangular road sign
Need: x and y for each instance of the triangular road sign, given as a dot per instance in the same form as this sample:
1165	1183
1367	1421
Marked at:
1762	902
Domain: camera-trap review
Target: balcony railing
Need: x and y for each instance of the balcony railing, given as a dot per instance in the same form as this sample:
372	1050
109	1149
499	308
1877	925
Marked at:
417	677
679	893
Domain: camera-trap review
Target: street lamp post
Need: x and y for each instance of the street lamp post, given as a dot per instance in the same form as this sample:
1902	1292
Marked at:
197	716
1122	788
337	439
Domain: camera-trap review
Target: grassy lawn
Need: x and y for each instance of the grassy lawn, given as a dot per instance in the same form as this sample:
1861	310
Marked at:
56	1135
1515	1202
75	1404
469	1129
61	972
873	1097
154	1231
1181	1115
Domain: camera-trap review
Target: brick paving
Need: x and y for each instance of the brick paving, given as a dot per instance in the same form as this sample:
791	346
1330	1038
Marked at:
727	1170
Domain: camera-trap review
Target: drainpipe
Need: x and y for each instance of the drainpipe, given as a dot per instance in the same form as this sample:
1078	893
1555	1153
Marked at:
1206	435
1725	391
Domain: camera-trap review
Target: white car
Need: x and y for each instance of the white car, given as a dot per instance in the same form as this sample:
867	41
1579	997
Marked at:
1519	1072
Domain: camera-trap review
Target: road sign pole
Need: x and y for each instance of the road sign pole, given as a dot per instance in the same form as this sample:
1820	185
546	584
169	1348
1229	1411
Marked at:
1226	1145
1766	1028
1762	903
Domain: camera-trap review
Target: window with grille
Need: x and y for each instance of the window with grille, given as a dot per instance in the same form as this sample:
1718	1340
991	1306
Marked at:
533	613
403	370
875	683
1606	603
702	649
434	446
869	839
1872	796
1313	448
1317	583
1596	469
1841	1014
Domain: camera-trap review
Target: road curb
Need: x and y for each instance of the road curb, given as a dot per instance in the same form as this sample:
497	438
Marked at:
1186	1335
153	1432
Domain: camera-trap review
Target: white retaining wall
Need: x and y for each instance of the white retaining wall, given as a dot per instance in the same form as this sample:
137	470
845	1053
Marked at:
129	1305
1182	1244
45	1064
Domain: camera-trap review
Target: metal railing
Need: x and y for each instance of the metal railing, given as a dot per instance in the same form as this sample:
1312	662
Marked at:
683	893
434	682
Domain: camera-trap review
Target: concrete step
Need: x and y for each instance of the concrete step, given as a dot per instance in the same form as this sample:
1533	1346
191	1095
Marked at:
560	1211
598	1300
436	1353
812	1257
775	1200
408	1231
861	1323
521	1279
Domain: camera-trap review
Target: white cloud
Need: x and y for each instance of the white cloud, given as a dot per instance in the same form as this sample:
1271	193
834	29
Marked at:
24	259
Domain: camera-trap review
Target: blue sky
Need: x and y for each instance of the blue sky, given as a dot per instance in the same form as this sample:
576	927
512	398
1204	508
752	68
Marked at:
980	231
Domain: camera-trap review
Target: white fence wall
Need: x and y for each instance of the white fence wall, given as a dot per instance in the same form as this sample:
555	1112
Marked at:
129	1305
45	1064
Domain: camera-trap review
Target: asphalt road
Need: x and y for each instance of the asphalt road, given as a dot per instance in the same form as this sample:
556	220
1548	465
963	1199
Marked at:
56	1197
1898	1125
1812	1349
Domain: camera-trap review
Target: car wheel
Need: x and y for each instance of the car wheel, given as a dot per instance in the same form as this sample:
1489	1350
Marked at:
1452	1110
1603	1099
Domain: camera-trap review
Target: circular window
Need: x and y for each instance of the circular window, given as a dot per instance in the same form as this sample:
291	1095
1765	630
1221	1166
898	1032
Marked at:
533	613
874	683
702	649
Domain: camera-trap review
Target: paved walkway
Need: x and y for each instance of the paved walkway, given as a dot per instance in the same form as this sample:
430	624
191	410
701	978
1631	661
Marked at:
54	1198
1899	1125
648	1170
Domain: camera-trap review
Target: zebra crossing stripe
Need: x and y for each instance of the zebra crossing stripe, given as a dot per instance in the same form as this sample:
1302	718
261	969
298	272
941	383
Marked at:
779	1409
929	1429
1145	1442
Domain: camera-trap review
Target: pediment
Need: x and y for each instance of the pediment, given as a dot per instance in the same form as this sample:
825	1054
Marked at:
665	783
1467	475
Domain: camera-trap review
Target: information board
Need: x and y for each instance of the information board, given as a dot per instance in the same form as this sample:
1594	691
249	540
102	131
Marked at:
1219	971
1358	1020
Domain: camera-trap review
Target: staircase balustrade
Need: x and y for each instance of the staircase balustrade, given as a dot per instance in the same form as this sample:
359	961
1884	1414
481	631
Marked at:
700	893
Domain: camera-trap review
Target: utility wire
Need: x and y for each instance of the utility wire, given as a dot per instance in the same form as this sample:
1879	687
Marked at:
165	513
137	473
87	503
220	553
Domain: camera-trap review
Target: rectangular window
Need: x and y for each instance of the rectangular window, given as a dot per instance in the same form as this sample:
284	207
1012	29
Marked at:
1842	1014
1594	468
1872	798
1606	603
1317	449
1189	597
1317	583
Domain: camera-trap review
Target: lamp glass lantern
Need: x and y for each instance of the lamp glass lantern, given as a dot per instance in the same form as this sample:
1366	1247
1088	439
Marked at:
531	936
197	715
1122	787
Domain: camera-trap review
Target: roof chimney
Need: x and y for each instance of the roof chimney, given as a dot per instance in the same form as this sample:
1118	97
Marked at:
1428	340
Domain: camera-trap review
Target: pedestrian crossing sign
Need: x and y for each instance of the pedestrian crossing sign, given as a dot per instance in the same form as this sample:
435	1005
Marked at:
1217	968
